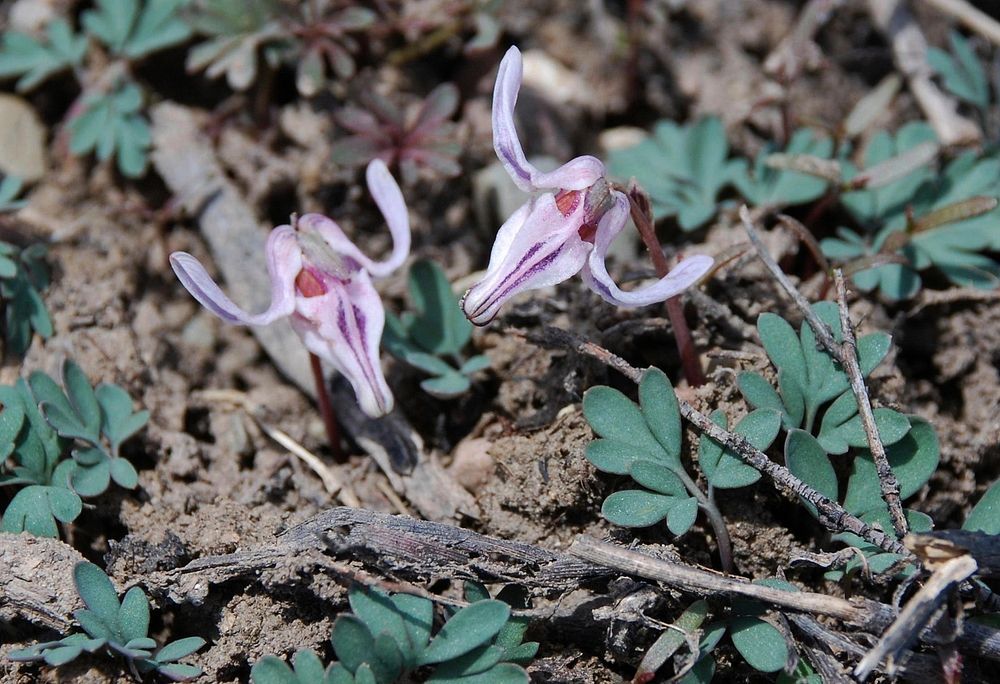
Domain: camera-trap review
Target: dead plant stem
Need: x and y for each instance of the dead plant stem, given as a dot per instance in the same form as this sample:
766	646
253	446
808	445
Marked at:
847	355
831	514
642	216
886	477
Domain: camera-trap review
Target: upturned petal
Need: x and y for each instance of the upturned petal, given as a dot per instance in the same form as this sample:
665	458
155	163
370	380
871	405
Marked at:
284	261
344	327
538	246
574	175
389	199
595	273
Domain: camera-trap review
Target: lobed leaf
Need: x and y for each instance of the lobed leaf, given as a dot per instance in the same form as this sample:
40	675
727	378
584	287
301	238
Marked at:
468	628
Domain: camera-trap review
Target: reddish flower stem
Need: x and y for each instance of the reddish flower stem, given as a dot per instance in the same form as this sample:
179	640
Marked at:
642	216
326	410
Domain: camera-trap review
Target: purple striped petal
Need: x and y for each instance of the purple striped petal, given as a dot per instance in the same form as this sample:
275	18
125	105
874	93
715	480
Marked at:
538	246
344	327
390	202
577	174
284	261
595	273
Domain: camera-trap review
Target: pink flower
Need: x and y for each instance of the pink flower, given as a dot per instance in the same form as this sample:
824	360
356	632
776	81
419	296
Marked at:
563	231
322	281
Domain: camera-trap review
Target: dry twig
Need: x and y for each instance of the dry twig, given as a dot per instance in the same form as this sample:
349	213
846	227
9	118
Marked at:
915	616
829	513
909	48
849	361
847	355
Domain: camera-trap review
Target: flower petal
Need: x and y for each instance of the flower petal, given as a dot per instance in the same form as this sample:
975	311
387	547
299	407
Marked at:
538	246
390	202
578	174
595	273
344	327
284	261
387	195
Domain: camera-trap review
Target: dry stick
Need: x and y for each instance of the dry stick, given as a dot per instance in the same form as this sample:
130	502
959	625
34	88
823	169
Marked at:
887	478
862	613
642	216
847	356
915	615
973	18
829	513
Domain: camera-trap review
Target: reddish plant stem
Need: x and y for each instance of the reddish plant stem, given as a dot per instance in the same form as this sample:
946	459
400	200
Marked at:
642	216
326	410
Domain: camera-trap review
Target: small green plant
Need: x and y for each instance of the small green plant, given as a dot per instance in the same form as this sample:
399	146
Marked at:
420	140
643	441
961	71
765	185
40	425
683	168
32	61
387	637
819	414
432	337
106	118
117	629
919	219
23	277
762	645
809	378
315	37
136	28
112	123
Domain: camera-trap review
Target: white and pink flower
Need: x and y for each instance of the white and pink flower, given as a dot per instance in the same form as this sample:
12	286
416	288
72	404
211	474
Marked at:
566	229
322	281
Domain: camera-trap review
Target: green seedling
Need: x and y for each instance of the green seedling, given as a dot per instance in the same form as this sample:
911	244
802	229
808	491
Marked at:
431	337
32	60
112	123
317	38
106	118
116	629
387	637
135	28
644	441
683	168
916	218
766	184
809	378
23	277
43	423
422	140
763	646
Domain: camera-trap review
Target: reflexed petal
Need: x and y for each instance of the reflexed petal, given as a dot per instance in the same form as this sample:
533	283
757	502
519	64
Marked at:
536	247
595	273
343	327
389	199
575	175
387	195
284	261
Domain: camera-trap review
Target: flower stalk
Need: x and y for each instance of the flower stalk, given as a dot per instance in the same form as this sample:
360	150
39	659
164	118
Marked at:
642	217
